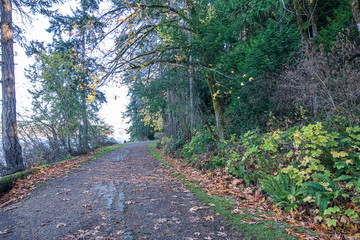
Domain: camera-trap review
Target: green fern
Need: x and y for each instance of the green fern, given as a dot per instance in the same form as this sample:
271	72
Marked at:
323	195
280	188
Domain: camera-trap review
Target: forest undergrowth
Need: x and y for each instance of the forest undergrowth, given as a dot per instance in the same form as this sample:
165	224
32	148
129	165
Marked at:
307	176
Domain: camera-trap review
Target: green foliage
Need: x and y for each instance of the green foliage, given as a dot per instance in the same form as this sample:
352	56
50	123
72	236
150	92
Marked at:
336	20
324	192
282	190
202	142
167	143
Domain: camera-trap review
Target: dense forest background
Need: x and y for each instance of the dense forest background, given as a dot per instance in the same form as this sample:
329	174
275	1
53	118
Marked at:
236	66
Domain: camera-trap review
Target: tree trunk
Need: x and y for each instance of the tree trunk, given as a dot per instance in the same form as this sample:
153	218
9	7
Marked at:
355	8
84	145
218	108
10	138
192	94
169	111
300	23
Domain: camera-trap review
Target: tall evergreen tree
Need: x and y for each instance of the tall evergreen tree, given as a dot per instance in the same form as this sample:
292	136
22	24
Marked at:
82	28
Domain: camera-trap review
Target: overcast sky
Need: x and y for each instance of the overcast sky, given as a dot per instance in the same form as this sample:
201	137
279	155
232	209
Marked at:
36	30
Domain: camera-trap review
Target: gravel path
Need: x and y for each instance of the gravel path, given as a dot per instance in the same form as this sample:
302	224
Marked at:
125	194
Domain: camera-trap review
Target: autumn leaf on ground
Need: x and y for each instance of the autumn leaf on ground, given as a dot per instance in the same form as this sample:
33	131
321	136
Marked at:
6	231
209	218
22	187
194	209
161	220
237	211
61	225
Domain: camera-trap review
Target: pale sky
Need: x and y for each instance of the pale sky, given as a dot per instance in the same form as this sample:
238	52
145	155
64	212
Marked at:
116	96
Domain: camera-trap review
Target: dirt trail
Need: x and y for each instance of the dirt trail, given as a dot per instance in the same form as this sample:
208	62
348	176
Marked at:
125	194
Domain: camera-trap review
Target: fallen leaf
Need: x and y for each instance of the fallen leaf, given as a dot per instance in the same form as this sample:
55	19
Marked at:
194	209
209	218
161	220
6	231
61	225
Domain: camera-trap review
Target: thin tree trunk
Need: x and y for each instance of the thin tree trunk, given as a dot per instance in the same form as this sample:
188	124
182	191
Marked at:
173	113
218	108
313	17
300	23
191	11
192	94
355	8
84	146
170	117
10	138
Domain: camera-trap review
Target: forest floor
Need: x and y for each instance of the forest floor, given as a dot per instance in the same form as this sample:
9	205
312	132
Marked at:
125	194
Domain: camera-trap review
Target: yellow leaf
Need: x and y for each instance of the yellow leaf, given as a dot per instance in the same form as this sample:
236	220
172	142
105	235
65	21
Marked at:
209	218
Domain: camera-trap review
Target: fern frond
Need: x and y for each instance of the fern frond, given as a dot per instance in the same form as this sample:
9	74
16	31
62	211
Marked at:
310	188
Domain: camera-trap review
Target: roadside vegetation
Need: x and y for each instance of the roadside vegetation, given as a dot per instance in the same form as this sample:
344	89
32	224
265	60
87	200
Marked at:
262	101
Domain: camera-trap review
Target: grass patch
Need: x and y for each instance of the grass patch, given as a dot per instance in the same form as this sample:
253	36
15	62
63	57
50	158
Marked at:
154	153
248	224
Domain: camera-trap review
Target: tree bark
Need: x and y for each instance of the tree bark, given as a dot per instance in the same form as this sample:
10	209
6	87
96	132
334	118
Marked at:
169	111
299	22
84	144
192	93
10	137
218	108
355	8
